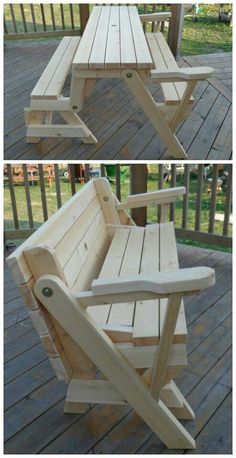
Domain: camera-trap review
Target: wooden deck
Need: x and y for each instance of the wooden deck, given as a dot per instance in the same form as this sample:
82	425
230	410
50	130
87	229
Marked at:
34	419
112	114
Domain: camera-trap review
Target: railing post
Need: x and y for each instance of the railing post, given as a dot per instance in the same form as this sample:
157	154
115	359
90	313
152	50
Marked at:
138	184
84	16
176	28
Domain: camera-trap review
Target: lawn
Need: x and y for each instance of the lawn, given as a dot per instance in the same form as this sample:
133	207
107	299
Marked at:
207	35
152	212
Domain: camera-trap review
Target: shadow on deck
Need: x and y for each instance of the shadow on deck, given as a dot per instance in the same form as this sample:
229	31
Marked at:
122	129
34	419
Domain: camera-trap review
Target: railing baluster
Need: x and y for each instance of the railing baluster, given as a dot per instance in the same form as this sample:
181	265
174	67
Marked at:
5	26
13	17
186	196
86	172
163	22
103	170
23	17
228	198
199	198
27	196
33	17
43	192
160	186
118	191
72	16
72	178
62	16
58	186
173	185
52	16
13	197
213	199
43	17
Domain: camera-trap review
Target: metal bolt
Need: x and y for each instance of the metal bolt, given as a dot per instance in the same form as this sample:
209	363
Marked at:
74	107
105	198
48	292
129	75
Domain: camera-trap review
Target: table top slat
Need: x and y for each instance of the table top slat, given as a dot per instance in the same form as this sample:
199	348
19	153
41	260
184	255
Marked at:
112	58
127	50
81	58
143	56
98	53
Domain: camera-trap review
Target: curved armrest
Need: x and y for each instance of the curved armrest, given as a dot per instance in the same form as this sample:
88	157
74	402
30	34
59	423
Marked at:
155	17
161	283
163	196
182	74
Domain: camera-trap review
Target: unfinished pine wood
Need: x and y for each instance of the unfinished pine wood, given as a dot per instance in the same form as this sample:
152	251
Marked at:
94	287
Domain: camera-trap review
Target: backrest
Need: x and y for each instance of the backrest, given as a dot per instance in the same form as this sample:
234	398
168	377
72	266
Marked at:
71	244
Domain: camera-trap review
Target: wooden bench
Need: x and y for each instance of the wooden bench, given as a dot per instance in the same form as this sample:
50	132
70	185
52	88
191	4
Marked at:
47	97
105	294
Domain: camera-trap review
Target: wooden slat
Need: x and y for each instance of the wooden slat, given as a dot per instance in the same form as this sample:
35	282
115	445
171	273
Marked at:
228	202
111	269
98	52
43	17
13	17
122	314
213	199
146	318
13	197
199	197
52	16
58	187
81	58
112	57
118	190
43	192
27	195
186	196
173	185
62	16
169	262
33	17
127	53
144	59
72	16
53	77
23	17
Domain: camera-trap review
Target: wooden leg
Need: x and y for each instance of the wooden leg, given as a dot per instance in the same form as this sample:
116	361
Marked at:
101	350
75	120
77	93
149	106
89	85
33	118
177	403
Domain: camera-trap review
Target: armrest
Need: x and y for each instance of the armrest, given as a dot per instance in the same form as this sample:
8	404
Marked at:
182	74
161	283
163	196
155	17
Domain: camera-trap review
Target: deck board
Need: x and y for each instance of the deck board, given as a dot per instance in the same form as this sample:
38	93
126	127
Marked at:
34	398
122	129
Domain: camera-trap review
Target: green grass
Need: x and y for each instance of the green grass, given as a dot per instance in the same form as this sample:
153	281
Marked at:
207	35
152	211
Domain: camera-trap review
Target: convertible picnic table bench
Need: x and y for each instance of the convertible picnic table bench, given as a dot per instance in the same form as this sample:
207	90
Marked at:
106	298
114	45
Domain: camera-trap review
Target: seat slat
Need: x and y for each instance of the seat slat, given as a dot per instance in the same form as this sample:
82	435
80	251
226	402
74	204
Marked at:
169	262
146	319
110	269
81	58
128	57
54	75
112	57
170	62
122	314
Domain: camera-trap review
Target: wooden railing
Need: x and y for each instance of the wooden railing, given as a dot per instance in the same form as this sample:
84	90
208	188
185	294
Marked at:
203	215
30	20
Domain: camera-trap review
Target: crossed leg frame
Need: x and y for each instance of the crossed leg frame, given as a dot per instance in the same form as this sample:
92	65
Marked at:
39	121
124	379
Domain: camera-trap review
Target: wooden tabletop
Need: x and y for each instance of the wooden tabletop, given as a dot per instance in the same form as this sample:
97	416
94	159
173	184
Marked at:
113	39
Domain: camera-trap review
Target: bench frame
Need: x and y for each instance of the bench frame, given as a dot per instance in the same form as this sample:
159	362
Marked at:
150	391
164	117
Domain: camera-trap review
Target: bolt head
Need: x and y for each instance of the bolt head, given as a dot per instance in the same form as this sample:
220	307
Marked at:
105	198
47	292
129	75
74	107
